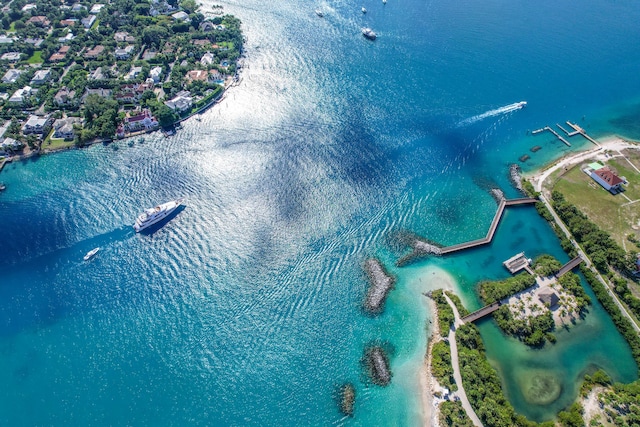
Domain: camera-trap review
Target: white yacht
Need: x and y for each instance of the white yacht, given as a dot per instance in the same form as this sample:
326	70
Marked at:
154	215
369	33
90	254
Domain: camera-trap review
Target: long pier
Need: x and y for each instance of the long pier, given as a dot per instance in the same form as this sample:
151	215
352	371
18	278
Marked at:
492	229
569	266
483	312
582	132
569	134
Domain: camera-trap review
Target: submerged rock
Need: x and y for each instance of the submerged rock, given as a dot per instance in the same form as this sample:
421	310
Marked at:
347	398
381	284
377	363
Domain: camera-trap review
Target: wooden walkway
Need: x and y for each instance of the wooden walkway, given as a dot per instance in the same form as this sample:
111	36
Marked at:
569	266
479	314
582	132
492	229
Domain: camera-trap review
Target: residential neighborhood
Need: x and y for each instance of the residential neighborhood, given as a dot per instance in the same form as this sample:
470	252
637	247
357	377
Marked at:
76	72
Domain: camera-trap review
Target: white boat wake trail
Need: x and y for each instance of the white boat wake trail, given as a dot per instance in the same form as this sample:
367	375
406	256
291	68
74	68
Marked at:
492	113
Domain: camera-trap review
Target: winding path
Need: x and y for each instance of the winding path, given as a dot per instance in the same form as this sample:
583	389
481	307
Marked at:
456	367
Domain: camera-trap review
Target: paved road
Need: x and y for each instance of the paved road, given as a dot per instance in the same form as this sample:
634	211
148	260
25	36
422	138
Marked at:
456	367
589	264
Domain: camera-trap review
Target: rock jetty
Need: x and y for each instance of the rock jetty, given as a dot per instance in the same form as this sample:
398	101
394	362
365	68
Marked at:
377	363
516	179
380	284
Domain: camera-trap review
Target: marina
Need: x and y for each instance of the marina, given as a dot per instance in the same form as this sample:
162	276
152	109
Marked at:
577	130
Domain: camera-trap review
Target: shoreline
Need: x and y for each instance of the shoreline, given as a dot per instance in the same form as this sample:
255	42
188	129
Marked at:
609	142
428	279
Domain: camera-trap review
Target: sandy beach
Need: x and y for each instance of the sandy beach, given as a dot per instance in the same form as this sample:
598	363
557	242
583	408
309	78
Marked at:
607	144
431	278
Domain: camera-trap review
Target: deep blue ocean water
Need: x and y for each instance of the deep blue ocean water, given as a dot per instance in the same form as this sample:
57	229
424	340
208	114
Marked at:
245	309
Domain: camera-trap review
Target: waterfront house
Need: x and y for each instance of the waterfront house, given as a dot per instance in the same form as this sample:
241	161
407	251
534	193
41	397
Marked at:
4	128
181	102
605	177
11	76
144	120
63	128
20	96
216	77
41	77
206	26
36	125
10	144
197	75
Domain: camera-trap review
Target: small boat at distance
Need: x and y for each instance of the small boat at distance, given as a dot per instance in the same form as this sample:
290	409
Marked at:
319	13
2	186
364	10
91	254
384	1
368	33
156	214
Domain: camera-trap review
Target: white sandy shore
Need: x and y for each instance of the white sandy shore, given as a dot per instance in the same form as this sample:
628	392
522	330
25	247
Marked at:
431	278
607	144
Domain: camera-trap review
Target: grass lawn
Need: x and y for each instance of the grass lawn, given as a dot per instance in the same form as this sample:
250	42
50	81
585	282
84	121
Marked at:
613	214
12	27
36	58
56	144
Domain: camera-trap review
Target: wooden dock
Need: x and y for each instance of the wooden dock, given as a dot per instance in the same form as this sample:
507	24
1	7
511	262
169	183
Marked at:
483	312
569	134
492	229
579	130
569	266
556	134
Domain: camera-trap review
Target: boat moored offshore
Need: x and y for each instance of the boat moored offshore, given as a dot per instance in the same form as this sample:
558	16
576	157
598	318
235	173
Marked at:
368	33
91	254
156	214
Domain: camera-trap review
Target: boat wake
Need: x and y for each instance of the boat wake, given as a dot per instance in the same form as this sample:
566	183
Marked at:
492	113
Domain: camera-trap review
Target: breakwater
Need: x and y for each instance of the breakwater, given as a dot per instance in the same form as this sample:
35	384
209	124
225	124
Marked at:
516	179
380	283
377	364
347	399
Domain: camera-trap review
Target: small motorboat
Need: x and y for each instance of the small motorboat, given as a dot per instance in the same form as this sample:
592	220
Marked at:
319	13
2	186
364	10
91	254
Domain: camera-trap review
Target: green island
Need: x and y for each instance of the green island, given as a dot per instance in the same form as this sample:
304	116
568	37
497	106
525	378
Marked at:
80	72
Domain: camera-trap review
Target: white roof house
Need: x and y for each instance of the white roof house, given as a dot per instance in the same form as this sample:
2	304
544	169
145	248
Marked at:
35	124
208	58
125	52
96	8
181	16
41	77
155	74
29	6
88	21
12	76
133	73
11	56
181	102
20	95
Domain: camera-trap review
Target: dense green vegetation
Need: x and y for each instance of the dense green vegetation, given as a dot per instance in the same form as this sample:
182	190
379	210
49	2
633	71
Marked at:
482	384
441	365
603	251
571	283
493	291
546	265
453	414
533	330
445	312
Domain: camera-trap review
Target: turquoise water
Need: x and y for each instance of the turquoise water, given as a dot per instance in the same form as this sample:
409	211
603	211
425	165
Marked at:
245	309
